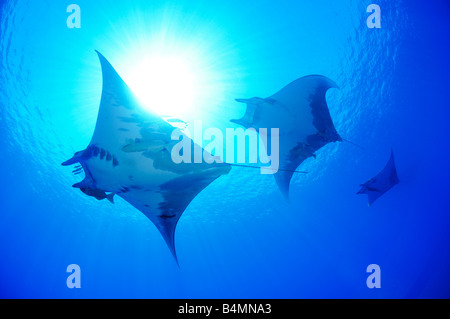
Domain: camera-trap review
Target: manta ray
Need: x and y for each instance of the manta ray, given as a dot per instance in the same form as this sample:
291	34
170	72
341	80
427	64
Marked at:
129	154
301	113
382	182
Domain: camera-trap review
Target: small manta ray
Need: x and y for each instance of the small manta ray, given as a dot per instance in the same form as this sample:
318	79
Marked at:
382	182
301	113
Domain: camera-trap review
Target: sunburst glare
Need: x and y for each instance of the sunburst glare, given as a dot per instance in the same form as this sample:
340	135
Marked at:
166	85
177	65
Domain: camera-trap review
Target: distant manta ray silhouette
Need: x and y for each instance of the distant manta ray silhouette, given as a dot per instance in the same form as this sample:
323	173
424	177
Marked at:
130	151
382	182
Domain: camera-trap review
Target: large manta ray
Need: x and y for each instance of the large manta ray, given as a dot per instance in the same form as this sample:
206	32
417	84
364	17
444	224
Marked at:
130	155
130	151
301	113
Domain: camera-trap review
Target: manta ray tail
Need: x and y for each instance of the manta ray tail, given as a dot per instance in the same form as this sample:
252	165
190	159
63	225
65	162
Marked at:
354	144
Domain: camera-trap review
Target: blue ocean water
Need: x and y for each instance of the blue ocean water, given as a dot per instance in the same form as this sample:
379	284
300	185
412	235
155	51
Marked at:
238	238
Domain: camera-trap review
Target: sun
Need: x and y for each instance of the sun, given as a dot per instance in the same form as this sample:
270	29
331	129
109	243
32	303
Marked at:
176	63
166	85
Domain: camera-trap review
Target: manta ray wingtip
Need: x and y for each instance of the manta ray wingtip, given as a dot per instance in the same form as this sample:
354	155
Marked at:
176	259
100	56
392	153
167	231
171	246
321	80
330	82
103	61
